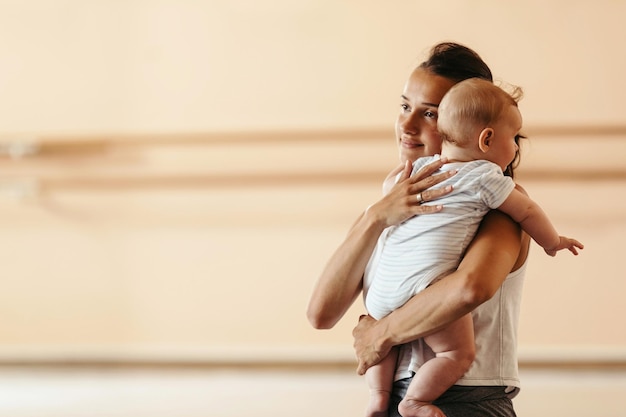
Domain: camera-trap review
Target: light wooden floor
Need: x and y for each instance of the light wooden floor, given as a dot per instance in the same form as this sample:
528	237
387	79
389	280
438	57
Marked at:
119	392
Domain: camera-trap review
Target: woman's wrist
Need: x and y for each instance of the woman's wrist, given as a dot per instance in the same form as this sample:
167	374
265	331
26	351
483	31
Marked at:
383	339
375	217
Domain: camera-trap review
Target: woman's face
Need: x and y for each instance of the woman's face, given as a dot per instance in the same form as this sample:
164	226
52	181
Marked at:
416	125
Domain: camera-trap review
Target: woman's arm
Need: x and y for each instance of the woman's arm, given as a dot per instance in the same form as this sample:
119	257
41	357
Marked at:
341	280
492	254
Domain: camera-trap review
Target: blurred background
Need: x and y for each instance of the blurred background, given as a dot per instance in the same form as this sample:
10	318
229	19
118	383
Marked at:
175	174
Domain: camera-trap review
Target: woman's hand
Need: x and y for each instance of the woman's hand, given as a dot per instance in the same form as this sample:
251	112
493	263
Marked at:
341	280
404	198
368	350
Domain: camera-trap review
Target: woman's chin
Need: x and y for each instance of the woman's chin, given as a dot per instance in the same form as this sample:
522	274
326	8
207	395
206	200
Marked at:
412	154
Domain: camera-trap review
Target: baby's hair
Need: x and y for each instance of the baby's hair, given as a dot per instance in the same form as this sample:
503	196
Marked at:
471	105
516	92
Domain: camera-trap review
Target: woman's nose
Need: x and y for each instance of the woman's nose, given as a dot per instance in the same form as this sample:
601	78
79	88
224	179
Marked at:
410	124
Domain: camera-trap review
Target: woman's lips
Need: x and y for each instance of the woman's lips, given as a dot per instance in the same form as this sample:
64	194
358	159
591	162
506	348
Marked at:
411	144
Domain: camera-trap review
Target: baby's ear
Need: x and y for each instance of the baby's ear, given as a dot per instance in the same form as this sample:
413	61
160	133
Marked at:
485	138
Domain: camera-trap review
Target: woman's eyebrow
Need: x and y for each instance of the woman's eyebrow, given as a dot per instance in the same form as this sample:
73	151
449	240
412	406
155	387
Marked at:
424	104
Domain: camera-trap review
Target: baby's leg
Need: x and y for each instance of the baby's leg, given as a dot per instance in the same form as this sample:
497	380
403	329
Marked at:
380	381
454	352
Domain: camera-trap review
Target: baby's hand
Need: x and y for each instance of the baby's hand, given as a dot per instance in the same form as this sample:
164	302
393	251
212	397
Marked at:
565	243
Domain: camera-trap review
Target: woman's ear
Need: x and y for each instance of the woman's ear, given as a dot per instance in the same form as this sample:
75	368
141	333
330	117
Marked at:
485	138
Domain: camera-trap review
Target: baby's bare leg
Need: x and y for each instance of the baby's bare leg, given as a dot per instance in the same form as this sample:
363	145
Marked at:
454	349
380	381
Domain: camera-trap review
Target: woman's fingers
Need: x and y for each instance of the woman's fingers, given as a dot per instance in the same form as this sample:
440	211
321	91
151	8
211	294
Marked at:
431	195
392	178
406	170
401	168
430	180
428	209
429	168
420	183
423	191
405	195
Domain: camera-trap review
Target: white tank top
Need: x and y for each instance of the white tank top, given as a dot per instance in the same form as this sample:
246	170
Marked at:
495	329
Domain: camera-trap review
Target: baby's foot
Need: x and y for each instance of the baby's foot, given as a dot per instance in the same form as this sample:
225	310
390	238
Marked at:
414	408
379	404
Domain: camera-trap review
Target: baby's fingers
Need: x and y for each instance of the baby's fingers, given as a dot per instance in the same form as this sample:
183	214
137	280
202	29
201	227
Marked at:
575	244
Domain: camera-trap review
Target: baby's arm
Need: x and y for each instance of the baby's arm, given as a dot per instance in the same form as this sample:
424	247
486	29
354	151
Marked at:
536	223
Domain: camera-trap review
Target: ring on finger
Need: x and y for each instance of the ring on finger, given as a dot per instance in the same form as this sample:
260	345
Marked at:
420	199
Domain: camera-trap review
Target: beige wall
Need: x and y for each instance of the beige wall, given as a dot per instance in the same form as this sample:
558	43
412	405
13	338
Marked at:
198	162
189	65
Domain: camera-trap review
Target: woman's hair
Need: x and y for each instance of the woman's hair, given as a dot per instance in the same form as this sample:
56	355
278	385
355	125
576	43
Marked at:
458	62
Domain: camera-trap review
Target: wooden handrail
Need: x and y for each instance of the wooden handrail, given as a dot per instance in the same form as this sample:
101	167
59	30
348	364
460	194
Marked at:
54	144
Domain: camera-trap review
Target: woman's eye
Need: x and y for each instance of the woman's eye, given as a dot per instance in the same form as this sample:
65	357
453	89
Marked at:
404	107
430	114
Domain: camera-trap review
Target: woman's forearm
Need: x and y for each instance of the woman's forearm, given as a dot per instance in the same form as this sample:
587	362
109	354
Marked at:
341	280
490	257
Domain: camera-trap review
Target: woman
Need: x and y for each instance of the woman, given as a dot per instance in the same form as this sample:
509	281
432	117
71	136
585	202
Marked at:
488	280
